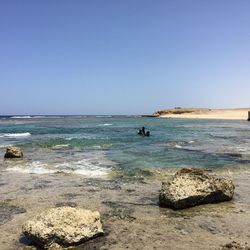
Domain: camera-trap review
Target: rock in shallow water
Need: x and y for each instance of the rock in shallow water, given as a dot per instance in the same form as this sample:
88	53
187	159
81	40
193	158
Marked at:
13	152
191	187
66	226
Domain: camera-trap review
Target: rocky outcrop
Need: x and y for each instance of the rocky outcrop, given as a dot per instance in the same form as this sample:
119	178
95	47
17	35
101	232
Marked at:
180	111
66	226
191	187
13	152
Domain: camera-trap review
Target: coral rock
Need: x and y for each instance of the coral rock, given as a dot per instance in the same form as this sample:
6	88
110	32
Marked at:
191	187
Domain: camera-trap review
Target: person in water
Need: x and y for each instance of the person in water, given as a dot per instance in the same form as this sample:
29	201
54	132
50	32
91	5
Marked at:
143	132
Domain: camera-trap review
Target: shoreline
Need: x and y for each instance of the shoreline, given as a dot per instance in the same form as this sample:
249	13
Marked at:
127	196
130	213
196	113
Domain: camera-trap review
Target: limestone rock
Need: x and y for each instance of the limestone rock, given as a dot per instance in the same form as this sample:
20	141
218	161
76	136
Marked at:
191	187
55	246
66	226
13	152
235	246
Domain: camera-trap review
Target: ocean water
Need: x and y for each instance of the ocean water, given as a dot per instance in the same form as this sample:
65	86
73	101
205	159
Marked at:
96	146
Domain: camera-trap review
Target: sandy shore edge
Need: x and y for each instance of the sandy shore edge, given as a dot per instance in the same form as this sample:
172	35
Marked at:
204	113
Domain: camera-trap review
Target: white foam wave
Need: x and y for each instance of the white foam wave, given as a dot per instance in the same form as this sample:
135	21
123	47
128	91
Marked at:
21	117
16	135
60	146
105	124
5	145
34	167
92	172
84	167
178	146
70	138
90	137
103	116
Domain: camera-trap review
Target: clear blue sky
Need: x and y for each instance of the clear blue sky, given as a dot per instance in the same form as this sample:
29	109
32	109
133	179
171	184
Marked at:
123	56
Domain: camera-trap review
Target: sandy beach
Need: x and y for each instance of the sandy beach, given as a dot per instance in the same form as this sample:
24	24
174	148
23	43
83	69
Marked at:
204	113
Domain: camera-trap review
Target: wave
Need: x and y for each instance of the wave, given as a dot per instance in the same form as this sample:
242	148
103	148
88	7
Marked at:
5	145
83	167
181	144
89	137
21	117
60	146
14	135
105	124
103	116
34	167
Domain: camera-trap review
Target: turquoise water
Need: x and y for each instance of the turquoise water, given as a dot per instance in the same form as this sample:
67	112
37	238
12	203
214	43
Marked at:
94	146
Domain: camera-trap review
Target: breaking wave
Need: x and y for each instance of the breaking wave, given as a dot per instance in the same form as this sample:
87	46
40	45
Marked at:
13	135
21	117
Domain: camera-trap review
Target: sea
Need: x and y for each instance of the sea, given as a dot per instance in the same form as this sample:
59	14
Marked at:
97	146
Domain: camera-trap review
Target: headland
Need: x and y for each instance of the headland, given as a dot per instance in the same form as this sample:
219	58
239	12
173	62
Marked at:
204	113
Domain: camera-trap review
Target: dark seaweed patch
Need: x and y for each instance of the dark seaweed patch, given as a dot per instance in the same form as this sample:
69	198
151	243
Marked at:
7	211
71	195
118	211
63	204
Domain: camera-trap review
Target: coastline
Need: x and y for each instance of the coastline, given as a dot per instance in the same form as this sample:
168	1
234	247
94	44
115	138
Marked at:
196	113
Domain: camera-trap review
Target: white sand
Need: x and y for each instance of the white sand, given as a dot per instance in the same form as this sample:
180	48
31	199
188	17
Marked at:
232	114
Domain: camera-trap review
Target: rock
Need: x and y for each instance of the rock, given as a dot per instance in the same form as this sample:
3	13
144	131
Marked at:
235	246
29	248
66	226
235	154
191	187
179	111
13	152
54	246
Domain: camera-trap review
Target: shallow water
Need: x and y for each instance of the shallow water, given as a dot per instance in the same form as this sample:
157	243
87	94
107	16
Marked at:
63	154
96	146
129	210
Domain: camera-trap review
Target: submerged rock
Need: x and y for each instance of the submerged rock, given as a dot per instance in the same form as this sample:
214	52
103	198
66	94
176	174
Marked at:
13	152
191	187
66	226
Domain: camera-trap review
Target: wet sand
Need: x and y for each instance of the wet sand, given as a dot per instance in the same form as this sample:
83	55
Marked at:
130	213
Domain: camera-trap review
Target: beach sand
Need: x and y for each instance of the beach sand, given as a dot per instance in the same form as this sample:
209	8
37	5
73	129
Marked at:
129	208
196	113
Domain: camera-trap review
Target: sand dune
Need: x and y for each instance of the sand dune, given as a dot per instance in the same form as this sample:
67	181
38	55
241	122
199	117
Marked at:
204	113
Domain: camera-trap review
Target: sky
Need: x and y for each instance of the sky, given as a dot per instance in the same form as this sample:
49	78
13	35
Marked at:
123	56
